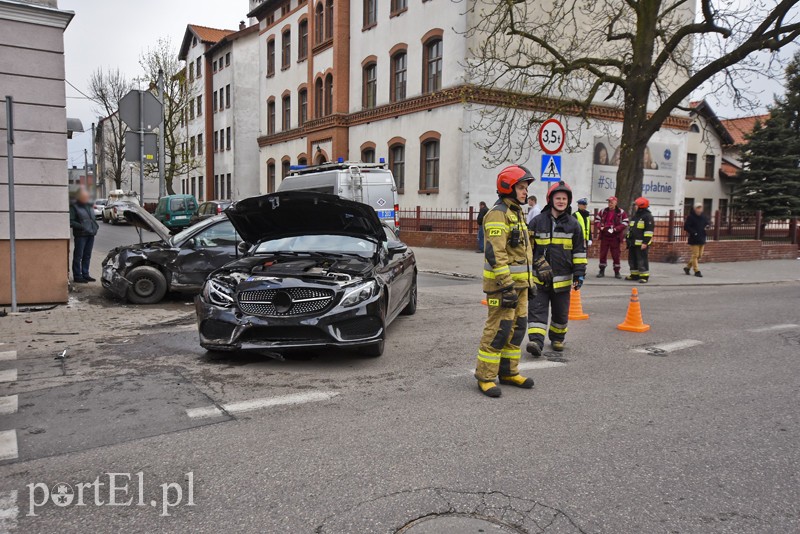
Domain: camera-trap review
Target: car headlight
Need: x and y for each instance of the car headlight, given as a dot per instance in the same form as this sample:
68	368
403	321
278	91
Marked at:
218	293
115	262
359	294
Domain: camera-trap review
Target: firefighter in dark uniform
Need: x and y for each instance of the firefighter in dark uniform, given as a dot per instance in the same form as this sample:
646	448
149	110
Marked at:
559	254
507	280
639	239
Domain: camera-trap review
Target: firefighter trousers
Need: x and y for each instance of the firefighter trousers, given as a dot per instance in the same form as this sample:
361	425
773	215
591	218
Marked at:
499	351
613	245
545	303
638	262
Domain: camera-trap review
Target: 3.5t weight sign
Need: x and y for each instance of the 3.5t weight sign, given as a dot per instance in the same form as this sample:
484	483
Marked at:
551	136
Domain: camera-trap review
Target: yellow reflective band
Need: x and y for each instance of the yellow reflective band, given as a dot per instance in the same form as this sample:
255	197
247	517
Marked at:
511	355
640	224
542	241
579	255
502	226
502	269
567	242
558	330
488	357
535	330
565	283
520	276
637	242
648	234
519	268
578	261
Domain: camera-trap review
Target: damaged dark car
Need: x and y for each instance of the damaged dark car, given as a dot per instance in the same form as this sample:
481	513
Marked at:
145	272
321	271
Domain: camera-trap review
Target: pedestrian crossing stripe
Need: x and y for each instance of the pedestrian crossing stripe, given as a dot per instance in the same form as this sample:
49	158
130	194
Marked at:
551	168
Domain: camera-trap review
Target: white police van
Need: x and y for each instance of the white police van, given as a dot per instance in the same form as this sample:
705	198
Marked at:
369	183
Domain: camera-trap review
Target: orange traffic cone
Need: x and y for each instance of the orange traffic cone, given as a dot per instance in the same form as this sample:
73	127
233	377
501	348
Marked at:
633	320
484	302
576	308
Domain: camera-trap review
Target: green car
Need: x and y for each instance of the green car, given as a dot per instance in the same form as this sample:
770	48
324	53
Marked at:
175	211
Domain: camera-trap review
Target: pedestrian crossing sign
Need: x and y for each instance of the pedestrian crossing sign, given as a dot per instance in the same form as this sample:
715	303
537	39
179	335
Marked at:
551	168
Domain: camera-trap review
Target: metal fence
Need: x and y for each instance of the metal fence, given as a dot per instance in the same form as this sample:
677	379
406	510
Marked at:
669	228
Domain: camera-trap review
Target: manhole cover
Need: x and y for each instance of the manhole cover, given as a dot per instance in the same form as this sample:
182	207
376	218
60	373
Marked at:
457	524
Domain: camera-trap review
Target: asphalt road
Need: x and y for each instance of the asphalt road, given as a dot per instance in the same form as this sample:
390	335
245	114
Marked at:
691	427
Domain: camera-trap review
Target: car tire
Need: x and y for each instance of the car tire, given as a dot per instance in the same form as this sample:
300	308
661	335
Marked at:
375	350
105	220
411	307
148	285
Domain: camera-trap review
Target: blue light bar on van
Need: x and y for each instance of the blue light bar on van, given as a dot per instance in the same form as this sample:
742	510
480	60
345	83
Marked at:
382	160
340	160
297	167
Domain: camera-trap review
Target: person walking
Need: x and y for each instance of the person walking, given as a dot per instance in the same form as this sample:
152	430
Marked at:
507	281
533	209
583	216
84	228
559	258
638	240
482	210
696	225
611	224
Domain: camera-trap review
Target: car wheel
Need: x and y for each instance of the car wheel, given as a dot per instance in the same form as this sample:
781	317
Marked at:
375	350
105	220
148	285
411	307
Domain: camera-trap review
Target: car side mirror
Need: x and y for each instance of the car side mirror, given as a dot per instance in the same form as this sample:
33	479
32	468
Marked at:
397	248
243	247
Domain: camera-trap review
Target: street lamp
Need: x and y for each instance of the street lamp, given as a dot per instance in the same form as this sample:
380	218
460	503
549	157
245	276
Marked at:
130	180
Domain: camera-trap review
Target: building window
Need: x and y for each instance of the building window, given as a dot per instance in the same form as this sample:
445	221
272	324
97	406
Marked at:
723	209
215	102
398	6
194	42
194	192
329	19
228	138
271	19
271	57
286	112
328	94
284	168
216	142
302	108
199	106
228	59
286	49
707	206
216	186
691	165
199	144
319	97
285	9
200	189
302	40
228	184
370	86
710	163
214	65
694	128
191	72
192	147
430	166
270	177
302	161
271	117
432	79
368	155
688	204
222	99
319	23
199	67
397	164
370	13
227	96
399	76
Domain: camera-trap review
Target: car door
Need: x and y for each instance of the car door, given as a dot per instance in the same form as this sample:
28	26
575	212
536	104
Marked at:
398	273
209	249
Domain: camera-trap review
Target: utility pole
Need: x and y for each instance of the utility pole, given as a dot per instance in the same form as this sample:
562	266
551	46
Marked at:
161	149
94	164
141	148
12	213
86	168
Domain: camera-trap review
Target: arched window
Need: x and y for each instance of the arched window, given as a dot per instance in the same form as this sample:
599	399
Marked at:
432	63
328	94
302	40
302	107
369	89
285	167
286	49
399	75
370	13
286	112
429	164
397	164
302	160
319	23
319	98
329	19
271	176
271	116
368	152
320	159
271	57
694	128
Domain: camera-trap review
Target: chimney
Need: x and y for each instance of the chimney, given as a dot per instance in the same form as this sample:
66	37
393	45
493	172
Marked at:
242	25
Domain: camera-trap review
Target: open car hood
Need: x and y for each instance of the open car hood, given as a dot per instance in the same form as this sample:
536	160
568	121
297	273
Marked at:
140	218
291	213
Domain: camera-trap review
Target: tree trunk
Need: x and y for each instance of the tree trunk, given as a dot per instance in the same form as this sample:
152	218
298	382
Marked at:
632	146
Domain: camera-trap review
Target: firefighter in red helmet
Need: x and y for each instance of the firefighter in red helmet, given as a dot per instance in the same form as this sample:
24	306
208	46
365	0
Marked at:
507	279
639	239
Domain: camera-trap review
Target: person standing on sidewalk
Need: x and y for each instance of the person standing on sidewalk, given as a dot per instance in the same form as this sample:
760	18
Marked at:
639	239
584	219
482	210
696	225
84	228
611	223
559	257
507	280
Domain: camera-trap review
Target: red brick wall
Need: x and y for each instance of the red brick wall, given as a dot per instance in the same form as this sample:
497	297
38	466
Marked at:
439	239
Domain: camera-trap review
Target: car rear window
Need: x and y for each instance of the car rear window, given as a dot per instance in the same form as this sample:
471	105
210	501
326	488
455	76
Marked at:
182	204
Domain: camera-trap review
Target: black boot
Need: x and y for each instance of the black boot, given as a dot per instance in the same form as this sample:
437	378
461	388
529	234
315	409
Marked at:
617	275
534	349
602	272
698	274
687	271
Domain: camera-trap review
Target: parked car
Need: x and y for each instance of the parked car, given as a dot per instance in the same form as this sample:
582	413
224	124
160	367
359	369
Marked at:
209	209
113	212
176	211
144	273
98	206
321	271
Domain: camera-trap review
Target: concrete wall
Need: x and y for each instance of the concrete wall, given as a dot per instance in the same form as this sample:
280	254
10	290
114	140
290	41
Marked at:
32	48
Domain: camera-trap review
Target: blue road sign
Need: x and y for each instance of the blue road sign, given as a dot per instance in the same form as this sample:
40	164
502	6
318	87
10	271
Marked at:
551	168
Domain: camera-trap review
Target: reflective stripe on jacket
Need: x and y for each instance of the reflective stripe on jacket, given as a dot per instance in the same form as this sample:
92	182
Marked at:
506	265
583	220
560	241
641	228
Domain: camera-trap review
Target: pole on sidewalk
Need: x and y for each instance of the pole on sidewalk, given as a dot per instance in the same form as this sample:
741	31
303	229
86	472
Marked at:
12	230
161	149
141	148
86	168
94	164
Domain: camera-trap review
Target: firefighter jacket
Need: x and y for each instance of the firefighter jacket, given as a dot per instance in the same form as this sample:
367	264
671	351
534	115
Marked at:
560	242
583	217
616	219
507	248
641	228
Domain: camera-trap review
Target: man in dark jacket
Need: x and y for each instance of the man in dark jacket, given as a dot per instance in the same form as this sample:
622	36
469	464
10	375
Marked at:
84	227
611	224
639	239
696	225
481	214
559	259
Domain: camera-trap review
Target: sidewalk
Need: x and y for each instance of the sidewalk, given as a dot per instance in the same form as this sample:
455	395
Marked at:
469	264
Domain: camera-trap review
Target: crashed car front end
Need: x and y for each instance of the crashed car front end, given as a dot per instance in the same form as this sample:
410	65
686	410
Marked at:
112	277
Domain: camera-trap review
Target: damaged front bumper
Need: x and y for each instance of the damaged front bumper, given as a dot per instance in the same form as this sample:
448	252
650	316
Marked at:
113	281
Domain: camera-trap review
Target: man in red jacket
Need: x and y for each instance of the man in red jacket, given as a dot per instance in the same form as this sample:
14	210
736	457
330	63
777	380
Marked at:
611	224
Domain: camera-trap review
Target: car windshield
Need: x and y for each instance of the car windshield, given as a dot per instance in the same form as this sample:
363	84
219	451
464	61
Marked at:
184	234
181	204
338	244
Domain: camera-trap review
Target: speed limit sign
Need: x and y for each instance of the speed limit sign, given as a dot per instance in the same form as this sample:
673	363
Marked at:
551	136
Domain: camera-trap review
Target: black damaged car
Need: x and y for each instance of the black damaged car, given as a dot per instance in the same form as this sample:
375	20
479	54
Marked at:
321	271
143	273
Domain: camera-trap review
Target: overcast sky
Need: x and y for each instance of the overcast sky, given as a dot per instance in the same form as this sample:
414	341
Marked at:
113	33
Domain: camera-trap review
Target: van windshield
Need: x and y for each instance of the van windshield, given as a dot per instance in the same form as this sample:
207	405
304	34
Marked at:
182	204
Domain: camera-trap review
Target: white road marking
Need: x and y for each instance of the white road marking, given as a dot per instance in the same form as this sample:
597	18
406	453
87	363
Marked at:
8	445
662	348
774	327
8	355
9	375
9	510
9	404
258	404
527	366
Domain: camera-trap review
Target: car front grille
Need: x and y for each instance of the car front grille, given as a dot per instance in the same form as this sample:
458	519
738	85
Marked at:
285	302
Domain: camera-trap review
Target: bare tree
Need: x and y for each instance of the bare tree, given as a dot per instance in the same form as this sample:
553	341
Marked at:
645	57
106	88
164	57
